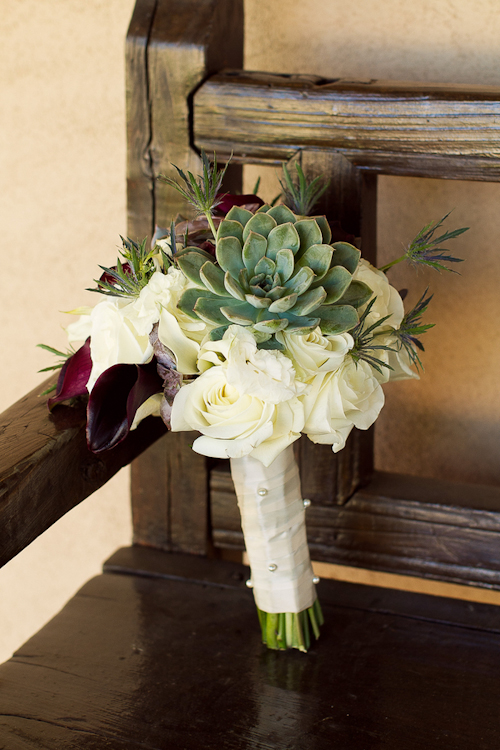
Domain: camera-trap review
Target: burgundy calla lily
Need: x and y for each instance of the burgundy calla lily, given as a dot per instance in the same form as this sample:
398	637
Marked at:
114	400
74	376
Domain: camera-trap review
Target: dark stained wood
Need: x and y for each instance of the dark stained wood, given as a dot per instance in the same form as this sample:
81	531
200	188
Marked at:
398	524
381	126
149	662
140	178
170	496
190	40
46	468
173	45
342	200
331	478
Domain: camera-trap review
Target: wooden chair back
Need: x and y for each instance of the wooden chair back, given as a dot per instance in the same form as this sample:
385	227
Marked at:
187	91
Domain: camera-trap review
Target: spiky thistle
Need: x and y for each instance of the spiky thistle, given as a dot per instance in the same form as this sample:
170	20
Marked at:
424	249
365	340
411	328
302	195
202	192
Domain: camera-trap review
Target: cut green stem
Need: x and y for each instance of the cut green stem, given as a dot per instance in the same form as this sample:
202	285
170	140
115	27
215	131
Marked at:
291	629
392	263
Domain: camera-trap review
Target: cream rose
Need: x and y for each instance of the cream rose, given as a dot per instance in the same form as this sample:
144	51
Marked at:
387	301
235	424
315	352
245	402
348	397
266	374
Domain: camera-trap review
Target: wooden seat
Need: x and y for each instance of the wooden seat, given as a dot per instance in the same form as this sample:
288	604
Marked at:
169	656
163	650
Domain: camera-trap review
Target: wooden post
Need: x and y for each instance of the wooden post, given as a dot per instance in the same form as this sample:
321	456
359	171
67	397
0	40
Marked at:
172	47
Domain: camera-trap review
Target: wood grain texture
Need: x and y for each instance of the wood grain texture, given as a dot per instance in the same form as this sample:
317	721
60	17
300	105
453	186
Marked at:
397	524
170	496
190	40
381	126
173	49
140	178
162	662
46	468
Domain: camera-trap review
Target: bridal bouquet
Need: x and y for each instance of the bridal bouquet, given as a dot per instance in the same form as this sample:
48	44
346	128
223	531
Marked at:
251	325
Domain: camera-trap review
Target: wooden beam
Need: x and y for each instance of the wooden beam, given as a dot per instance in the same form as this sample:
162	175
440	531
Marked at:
46	468
380	126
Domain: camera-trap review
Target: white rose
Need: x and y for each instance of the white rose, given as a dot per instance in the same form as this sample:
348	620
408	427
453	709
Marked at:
235	424
267	374
338	400
387	301
119	327
113	338
315	352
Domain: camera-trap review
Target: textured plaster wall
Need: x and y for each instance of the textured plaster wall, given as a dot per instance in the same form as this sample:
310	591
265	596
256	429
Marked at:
62	207
62	186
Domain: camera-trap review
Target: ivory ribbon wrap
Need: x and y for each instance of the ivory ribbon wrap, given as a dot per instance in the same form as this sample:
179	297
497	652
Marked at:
273	523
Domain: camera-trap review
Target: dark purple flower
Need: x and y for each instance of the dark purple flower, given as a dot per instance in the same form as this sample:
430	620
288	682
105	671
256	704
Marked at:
227	201
74	376
114	400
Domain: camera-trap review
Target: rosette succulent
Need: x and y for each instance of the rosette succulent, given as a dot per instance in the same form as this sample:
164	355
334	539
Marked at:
274	271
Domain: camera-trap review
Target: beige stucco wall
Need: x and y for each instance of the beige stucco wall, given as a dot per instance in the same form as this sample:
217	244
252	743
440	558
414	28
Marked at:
62	181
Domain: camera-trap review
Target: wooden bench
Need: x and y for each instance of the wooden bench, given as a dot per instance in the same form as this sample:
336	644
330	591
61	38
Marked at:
163	649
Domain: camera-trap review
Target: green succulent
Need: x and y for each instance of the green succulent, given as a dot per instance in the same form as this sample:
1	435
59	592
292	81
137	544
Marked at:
275	271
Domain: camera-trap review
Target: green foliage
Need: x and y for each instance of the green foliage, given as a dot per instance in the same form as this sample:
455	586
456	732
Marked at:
57	366
128	278
64	356
200	191
300	195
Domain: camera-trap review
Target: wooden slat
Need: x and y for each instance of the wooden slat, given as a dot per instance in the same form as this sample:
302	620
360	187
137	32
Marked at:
393	128
397	524
46	468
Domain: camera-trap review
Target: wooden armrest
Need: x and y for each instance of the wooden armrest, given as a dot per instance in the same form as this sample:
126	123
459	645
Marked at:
46	468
